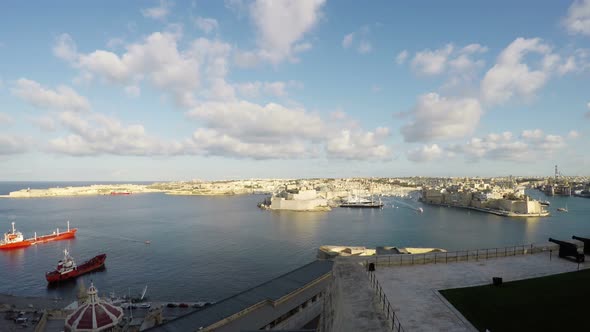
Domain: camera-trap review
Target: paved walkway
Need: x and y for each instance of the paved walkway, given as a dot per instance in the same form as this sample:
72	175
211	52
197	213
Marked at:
354	306
413	290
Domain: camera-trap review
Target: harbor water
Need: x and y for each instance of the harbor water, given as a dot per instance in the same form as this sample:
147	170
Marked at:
207	248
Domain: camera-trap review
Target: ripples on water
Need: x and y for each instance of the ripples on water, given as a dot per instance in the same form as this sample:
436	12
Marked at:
208	248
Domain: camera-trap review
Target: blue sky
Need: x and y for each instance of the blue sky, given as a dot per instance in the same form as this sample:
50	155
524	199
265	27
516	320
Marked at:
164	90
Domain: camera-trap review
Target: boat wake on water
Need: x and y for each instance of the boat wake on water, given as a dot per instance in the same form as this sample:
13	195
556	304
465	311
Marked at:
408	206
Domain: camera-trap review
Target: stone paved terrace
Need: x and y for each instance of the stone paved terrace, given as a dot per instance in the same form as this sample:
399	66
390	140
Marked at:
413	289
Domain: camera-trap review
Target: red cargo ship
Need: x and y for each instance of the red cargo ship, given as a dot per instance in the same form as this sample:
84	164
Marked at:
118	193
15	239
67	268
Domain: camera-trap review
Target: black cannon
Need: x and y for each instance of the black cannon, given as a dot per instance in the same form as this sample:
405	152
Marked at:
568	249
586	243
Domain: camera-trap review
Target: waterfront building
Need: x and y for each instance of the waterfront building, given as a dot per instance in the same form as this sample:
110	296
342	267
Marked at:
298	200
292	301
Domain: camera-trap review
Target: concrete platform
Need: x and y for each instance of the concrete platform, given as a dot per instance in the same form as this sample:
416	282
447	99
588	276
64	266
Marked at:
413	290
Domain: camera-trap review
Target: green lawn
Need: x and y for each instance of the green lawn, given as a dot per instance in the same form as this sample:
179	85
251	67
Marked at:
555	303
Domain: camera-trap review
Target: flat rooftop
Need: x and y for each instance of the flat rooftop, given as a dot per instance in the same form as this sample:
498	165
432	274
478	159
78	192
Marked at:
413	289
271	290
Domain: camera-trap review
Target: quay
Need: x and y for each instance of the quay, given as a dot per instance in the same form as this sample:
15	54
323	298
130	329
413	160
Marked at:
497	212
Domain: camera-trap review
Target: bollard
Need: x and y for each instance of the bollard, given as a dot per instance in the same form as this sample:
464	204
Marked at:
446	257
434	258
550	253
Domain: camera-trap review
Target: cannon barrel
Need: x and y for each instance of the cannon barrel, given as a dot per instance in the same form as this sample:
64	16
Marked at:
567	249
586	243
562	243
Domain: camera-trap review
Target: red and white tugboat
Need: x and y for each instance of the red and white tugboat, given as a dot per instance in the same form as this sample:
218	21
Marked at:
67	268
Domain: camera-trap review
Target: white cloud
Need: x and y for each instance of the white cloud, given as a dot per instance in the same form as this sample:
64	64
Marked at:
11	144
158	58
365	47
65	48
440	118
360	38
251	121
511	77
62	98
577	20
401	57
213	142
533	145
206	24
159	12
133	91
573	134
248	130
429	62
45	123
425	153
357	145
97	134
276	89
5	119
282	24
460	64
348	39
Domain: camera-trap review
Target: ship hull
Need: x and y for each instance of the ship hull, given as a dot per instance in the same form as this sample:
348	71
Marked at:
93	264
40	239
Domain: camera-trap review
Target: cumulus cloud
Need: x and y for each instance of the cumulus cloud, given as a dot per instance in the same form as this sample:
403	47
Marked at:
448	59
360	38
511	76
206	24
357	145
430	62
425	153
532	145
213	142
440	118
276	89
65	48
62	98
281	26
249	130
97	134
45	123
11	144
158	12
159	59
577	20
251	121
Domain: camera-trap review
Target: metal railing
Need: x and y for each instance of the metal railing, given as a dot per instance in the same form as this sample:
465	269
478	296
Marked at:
457	256
392	320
